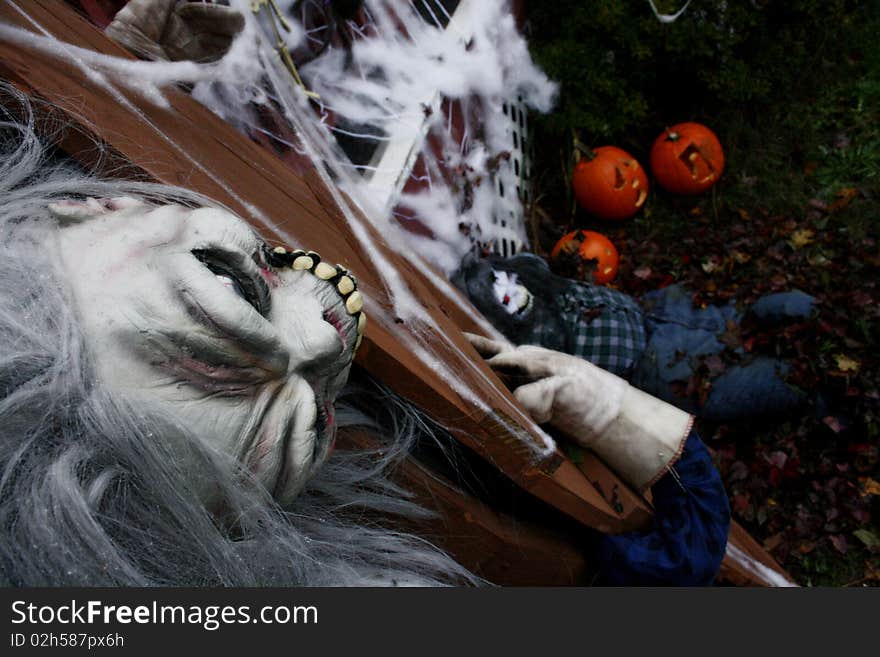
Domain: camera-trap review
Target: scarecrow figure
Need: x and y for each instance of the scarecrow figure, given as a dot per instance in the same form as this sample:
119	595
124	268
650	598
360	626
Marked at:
654	344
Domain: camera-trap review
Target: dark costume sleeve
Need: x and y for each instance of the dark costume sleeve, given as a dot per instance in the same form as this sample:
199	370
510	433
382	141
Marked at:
686	543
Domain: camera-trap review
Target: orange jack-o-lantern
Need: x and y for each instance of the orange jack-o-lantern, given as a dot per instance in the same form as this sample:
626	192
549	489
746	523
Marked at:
610	183
687	159
574	251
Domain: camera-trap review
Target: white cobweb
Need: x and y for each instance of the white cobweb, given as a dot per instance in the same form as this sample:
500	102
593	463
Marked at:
413	119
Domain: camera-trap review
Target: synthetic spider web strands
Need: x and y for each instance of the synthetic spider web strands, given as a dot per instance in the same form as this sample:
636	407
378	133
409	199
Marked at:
421	105
260	85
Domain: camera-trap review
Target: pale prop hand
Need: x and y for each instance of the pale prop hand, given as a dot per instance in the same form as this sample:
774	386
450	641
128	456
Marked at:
167	29
636	434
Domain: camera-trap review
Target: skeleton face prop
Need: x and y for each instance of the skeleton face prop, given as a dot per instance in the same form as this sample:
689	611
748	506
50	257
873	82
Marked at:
514	297
518	295
189	313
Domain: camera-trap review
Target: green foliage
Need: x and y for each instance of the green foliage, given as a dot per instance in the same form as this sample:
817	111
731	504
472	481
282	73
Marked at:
621	70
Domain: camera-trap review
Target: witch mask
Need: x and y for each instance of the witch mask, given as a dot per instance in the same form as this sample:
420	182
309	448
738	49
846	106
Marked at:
189	313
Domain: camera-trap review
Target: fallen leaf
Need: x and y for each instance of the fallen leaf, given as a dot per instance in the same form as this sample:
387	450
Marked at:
839	543
712	264
740	257
800	238
871	573
846	364
833	423
844	198
778	459
868	538
868	486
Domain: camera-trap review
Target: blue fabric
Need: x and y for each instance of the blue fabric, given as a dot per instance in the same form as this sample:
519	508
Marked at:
784	306
686	543
681	336
751	390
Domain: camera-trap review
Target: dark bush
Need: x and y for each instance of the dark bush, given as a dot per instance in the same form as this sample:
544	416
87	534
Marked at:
623	72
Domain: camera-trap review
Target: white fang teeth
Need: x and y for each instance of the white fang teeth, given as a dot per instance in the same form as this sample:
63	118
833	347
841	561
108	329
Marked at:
324	271
345	286
303	262
354	303
362	323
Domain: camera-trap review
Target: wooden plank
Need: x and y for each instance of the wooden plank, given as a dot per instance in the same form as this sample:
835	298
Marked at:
753	566
503	550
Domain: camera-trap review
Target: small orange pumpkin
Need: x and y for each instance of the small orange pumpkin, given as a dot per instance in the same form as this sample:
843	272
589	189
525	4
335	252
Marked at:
583	246
610	183
687	159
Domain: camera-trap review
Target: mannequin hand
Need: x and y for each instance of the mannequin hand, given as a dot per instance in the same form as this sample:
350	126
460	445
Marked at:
567	392
636	434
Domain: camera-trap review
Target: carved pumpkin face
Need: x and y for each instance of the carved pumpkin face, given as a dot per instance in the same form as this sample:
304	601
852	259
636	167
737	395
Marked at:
687	159
610	184
573	252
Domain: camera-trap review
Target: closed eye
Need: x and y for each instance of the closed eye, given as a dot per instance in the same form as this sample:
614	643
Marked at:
234	273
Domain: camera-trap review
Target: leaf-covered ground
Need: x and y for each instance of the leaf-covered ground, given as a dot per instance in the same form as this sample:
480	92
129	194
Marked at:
806	485
798	208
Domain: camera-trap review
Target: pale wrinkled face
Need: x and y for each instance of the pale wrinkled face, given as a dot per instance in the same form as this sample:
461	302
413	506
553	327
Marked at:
182	311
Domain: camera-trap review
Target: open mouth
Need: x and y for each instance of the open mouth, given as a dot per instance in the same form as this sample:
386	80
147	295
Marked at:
526	304
304	446
290	435
298	430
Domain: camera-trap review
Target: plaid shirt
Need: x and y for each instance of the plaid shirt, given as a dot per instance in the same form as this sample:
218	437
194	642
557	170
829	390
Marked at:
607	327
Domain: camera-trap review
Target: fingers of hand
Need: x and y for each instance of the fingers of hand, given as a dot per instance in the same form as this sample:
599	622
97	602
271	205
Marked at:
538	398
523	362
486	347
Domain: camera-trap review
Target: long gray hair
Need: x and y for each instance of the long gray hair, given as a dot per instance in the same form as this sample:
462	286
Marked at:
89	495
